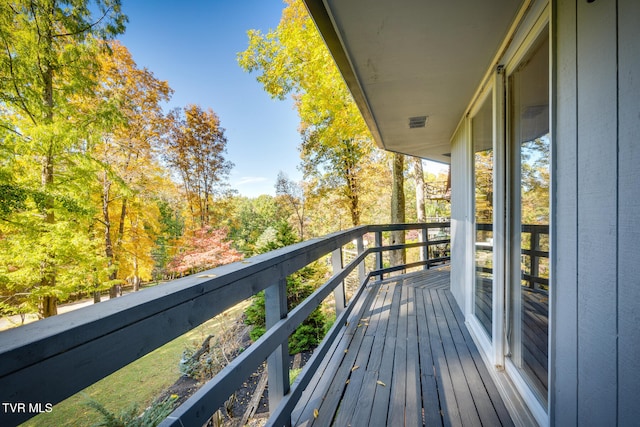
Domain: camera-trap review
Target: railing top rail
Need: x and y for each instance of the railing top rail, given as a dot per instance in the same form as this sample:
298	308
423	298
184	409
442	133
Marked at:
408	226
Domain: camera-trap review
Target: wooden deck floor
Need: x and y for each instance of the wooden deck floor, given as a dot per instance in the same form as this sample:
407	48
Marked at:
408	360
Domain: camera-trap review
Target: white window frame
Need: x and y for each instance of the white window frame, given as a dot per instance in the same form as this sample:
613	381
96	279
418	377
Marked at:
509	379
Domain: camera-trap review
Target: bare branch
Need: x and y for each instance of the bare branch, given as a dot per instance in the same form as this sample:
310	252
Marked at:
88	27
15	84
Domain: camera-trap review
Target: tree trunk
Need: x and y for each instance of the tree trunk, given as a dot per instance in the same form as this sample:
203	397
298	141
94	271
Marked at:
354	208
108	243
300	214
352	191
397	257
448	191
418	174
136	276
48	305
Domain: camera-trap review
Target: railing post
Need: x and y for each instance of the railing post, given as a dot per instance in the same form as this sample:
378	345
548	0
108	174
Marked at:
535	246
424	252
362	274
275	302
378	243
336	264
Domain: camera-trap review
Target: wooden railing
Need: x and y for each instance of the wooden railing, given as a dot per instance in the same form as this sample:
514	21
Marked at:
45	362
531	256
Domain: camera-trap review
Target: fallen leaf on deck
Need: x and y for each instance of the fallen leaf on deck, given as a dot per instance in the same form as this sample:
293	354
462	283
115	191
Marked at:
381	383
315	413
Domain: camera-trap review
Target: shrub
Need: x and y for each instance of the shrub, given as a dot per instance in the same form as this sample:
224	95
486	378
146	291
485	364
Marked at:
131	417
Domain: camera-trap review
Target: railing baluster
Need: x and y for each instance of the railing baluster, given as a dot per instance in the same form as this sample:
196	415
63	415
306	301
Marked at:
362	274
378	243
424	252
533	258
275	301
339	294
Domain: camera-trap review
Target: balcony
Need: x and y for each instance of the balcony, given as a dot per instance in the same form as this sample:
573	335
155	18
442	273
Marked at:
398	351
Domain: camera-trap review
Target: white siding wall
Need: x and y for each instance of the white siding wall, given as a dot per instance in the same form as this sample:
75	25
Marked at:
460	215
596	338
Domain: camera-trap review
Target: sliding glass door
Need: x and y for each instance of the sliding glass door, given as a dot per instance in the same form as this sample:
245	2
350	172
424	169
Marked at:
529	215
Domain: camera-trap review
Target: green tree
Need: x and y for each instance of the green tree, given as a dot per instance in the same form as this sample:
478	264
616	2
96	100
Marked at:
337	146
48	67
300	285
171	229
252	217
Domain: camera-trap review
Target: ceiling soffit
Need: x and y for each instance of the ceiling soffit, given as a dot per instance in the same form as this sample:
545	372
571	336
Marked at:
412	58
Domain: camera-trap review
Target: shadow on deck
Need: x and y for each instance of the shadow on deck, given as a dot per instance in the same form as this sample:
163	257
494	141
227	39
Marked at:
405	358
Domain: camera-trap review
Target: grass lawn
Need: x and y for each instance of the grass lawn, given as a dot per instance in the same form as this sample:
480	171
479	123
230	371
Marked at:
138	383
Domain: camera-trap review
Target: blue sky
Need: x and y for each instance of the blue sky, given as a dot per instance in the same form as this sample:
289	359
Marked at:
193	44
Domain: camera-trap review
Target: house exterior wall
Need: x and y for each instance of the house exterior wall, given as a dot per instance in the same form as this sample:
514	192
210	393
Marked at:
595	341
595	302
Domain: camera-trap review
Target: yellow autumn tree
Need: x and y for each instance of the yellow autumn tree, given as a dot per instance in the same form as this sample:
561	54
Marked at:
337	146
131	176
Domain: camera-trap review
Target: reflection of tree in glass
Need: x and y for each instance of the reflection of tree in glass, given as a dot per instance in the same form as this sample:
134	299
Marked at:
534	169
484	186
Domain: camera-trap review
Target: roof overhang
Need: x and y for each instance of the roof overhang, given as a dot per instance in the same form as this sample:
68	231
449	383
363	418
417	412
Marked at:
414	58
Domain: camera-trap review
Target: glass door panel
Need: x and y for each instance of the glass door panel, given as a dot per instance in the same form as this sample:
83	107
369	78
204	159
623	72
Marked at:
528	331
483	160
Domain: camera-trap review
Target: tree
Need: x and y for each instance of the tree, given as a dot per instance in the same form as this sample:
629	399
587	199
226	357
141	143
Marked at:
300	285
397	257
196	145
336	142
171	229
127	152
534	168
418	176
252	217
206	248
48	63
293	195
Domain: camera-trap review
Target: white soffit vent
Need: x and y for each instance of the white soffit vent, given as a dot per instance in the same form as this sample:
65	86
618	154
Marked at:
417	122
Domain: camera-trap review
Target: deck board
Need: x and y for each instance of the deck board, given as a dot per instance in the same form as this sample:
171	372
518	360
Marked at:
406	360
